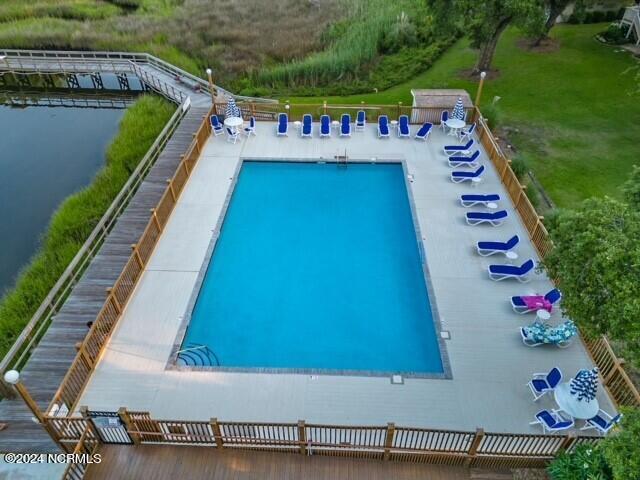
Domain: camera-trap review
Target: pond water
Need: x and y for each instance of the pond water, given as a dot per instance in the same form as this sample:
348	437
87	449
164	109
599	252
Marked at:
47	153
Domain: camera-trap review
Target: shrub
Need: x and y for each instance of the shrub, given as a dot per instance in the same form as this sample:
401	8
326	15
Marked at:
622	448
585	462
615	34
492	114
520	167
631	188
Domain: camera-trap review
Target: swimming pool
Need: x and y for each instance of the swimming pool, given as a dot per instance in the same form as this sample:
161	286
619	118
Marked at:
316	268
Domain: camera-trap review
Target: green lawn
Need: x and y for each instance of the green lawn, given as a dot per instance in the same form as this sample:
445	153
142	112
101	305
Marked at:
578	120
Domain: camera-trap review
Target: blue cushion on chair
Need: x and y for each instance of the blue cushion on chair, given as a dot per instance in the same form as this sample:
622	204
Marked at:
539	384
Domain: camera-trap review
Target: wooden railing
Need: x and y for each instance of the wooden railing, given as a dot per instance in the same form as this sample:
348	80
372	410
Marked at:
269	112
614	377
84	452
50	306
78	374
389	442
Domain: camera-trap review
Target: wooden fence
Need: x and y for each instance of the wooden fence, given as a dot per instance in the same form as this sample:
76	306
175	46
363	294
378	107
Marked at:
389	442
89	351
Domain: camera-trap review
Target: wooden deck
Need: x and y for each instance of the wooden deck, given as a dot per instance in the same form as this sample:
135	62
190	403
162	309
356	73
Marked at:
172	462
54	354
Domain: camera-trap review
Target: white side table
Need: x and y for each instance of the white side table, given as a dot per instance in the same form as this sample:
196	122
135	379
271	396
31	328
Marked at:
394	123
511	256
335	124
492	205
297	124
475	181
542	315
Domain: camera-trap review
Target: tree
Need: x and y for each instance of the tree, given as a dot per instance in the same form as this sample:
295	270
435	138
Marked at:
553	9
631	188
622	449
596	260
485	21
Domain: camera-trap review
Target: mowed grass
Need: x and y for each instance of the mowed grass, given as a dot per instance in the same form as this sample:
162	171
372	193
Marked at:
576	109
78	215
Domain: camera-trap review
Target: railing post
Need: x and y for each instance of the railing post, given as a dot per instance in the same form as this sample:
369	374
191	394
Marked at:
399	109
86	357
136	253
184	162
324	107
617	363
302	437
128	424
114	300
473	449
156	220
173	193
217	434
568	441
388	440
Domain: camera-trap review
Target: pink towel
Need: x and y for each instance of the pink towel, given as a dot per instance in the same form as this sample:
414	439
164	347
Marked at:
537	302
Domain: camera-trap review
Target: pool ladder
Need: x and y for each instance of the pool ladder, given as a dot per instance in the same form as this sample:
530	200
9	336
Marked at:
197	355
342	160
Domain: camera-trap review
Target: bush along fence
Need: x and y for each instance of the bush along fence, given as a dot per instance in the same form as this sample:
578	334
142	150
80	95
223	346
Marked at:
481	449
389	442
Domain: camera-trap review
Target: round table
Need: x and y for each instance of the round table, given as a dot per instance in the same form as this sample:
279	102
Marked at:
492	205
233	123
297	124
511	257
394	123
580	409
335	124
455	125
475	181
543	315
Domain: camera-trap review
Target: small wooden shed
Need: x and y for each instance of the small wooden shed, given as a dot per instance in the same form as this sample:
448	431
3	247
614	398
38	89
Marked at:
428	104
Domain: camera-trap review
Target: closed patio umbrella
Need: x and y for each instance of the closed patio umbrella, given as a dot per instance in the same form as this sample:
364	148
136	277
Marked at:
458	110
232	109
585	385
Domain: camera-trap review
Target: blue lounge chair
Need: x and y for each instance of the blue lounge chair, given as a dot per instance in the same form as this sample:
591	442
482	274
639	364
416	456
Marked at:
459	149
383	126
472	161
552	296
361	120
424	131
494	218
345	125
472	200
283	125
603	422
540	334
467	133
458	176
251	129
232	135
490	248
552	421
444	116
307	126
502	272
543	383
403	127
325	126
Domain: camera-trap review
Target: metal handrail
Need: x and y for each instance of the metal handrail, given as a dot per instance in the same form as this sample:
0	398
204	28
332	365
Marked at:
62	288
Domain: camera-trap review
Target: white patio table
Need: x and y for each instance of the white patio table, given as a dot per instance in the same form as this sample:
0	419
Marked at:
233	122
579	409
455	125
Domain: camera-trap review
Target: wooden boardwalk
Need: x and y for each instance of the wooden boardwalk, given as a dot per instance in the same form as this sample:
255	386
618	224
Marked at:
173	462
54	354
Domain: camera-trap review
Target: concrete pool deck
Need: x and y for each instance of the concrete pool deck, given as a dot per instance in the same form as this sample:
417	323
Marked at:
489	364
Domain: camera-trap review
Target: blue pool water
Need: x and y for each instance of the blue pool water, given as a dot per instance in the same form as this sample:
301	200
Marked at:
317	267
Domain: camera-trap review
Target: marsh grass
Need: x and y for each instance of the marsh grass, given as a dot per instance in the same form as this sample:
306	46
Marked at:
76	217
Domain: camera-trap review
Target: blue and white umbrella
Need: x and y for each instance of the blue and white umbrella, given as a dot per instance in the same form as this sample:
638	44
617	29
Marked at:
232	109
585	384
458	110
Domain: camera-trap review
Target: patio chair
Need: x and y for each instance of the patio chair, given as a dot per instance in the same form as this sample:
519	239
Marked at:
383	126
361	120
232	135
325	126
494	218
459	176
467	133
424	131
543	383
520	304
459	150
552	421
403	127
491	248
540	334
498	273
216	126
444	116
345	125
251	129
603	422
472	161
283	125
473	200
307	126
